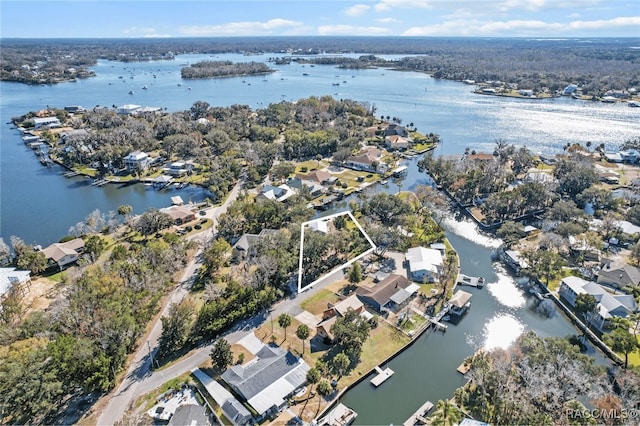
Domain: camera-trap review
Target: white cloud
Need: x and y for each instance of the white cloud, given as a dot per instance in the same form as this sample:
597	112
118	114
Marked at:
464	27
351	30
387	5
273	26
388	20
137	31
357	10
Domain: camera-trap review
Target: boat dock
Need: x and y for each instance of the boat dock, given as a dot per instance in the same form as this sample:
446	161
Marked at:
341	415
381	376
439	325
100	182
418	418
467	280
71	174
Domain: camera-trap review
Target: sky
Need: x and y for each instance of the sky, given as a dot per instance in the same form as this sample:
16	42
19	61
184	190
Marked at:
228	18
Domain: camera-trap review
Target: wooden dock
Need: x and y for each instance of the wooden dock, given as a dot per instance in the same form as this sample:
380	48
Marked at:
439	325
418	418
470	281
381	376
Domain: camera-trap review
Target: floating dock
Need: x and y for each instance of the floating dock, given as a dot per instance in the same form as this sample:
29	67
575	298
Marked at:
467	280
418	418
381	376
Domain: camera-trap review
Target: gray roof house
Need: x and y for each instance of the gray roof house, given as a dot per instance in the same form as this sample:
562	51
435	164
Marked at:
267	380
231	407
609	304
190	414
390	294
618	275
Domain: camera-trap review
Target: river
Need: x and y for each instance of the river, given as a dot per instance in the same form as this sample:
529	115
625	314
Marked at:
39	204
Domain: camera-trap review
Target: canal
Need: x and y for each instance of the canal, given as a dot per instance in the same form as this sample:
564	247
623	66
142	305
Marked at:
499	313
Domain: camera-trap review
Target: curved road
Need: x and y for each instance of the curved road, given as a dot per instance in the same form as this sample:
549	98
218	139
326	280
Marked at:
140	379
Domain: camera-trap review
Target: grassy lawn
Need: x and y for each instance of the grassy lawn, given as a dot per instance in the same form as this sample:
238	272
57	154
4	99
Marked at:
383	341
413	322
311	165
634	357
317	303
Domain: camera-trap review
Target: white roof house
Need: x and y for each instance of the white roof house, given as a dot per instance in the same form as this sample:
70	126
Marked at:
609	304
39	122
127	109
424	263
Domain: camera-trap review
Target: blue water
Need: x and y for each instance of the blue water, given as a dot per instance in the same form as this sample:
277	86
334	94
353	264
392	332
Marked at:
39	205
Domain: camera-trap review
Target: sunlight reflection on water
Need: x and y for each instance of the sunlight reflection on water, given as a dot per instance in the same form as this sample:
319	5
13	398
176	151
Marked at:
468	230
501	331
506	291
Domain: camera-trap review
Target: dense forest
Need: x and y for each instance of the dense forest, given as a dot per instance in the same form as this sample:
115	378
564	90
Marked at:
597	65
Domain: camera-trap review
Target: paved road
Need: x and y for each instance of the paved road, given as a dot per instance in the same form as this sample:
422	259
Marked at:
139	372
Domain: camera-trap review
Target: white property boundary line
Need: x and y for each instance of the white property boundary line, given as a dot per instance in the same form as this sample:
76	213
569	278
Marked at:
304	224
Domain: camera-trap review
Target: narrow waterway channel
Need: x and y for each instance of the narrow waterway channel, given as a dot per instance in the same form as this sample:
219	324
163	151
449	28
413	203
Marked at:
499	313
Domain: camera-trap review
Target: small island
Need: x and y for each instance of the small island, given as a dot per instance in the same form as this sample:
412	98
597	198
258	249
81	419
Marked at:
218	69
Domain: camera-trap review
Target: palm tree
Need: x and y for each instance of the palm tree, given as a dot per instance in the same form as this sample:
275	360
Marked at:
446	414
303	333
284	321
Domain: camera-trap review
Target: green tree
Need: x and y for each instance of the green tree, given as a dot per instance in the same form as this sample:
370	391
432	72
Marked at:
324	387
284	321
95	246
543	264
124	210
341	363
445	414
221	355
620	340
585	304
216	255
355	273
152	221
350	333
303	333
510	232
175	327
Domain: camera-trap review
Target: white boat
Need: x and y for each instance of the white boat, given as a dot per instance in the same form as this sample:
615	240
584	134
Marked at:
131	92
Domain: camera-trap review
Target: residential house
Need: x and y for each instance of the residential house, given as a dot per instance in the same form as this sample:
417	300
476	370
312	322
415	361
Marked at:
397	143
266	381
178	168
538	176
314	189
320	177
320	225
74	108
618	275
333	312
609	304
581	247
514	260
481	157
424	264
180	214
190	414
127	109
137	161
368	159
390	294
12	279
279	193
231	407
395	130
49	122
63	254
525	92
245	247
